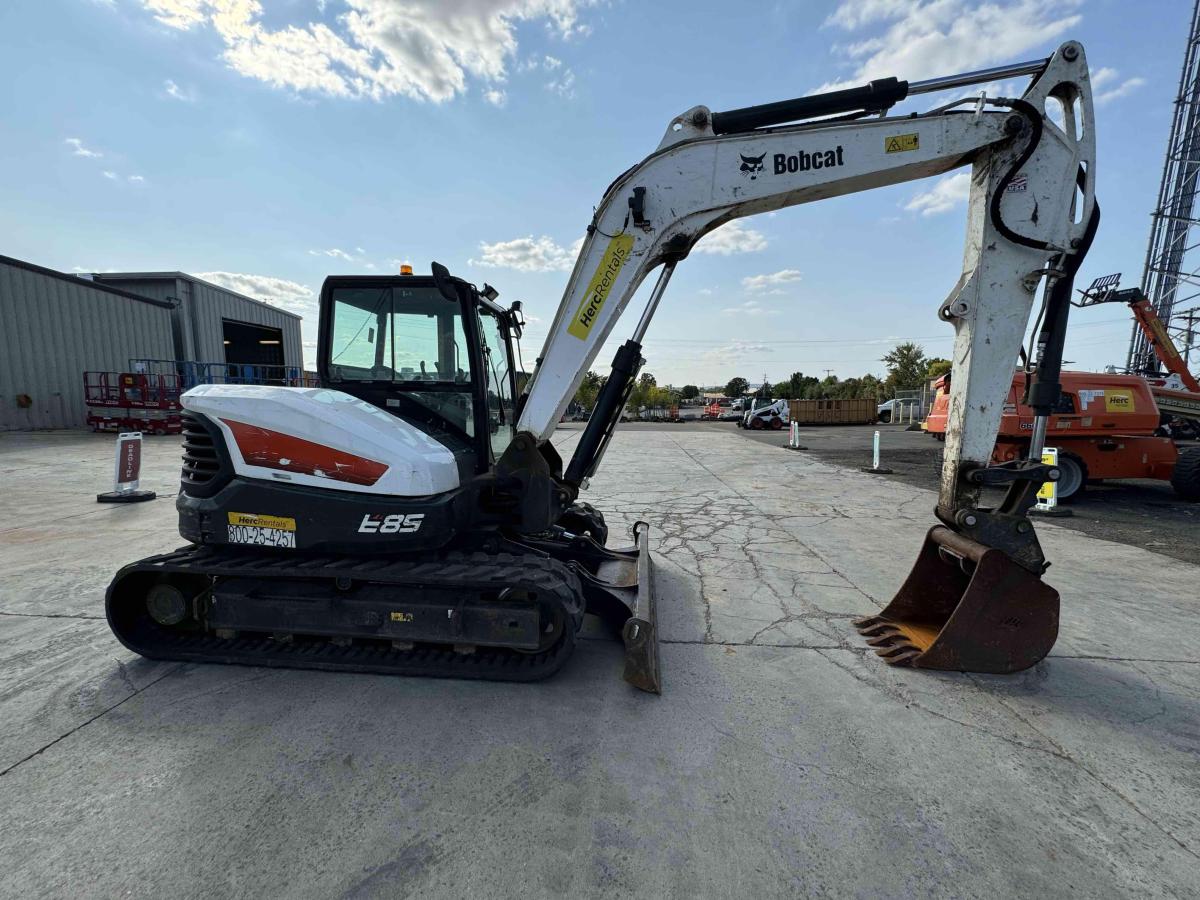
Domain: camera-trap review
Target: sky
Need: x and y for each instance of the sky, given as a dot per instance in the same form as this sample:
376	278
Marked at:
266	145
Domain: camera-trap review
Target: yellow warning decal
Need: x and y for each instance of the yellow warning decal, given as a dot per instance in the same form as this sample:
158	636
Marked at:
254	520
402	617
1048	491
1118	401
899	143
600	285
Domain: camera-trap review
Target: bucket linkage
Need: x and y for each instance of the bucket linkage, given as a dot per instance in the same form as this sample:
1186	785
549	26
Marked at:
975	600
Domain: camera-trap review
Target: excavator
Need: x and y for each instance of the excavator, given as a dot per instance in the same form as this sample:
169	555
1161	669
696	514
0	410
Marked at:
411	515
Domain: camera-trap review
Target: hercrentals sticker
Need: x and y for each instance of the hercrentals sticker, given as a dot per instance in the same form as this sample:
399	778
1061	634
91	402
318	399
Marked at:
255	520
262	531
599	286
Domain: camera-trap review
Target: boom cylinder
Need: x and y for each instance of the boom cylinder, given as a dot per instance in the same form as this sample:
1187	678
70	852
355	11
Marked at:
877	96
606	413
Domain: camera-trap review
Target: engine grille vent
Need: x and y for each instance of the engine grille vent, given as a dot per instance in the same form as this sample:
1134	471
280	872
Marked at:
201	461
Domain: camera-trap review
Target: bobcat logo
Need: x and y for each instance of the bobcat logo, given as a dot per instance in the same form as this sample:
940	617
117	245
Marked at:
751	165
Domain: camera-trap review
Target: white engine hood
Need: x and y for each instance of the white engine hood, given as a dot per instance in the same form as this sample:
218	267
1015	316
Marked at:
417	465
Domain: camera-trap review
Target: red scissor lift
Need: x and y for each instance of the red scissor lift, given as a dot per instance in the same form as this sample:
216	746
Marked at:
133	401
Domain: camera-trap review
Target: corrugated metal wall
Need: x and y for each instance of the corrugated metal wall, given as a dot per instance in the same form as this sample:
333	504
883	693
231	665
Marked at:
168	290
52	329
203	306
212	304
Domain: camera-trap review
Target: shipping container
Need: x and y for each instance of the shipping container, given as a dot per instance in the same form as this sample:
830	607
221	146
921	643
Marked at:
833	412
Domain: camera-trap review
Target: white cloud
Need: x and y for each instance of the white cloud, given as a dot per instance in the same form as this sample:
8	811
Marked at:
111	176
732	237
947	192
1121	88
734	352
916	39
81	150
1102	76
770	283
528	254
751	308
136	179
333	252
279	292
175	92
495	97
563	85
423	49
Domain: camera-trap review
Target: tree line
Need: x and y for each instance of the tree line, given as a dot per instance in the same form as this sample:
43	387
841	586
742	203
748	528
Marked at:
908	369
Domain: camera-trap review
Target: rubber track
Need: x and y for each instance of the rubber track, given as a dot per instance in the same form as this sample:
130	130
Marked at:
551	579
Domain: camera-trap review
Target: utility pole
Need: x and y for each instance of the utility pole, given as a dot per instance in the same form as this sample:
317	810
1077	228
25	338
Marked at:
1191	317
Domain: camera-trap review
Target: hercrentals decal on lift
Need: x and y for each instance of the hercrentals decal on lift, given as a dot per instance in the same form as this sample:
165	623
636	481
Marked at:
600	285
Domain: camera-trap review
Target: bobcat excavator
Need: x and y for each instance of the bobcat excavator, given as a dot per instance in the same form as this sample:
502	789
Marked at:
412	516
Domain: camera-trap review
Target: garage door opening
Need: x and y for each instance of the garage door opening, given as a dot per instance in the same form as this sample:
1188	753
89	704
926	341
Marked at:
254	345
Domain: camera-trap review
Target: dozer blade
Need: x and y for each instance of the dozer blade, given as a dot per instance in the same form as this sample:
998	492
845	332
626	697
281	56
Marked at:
640	631
965	607
618	586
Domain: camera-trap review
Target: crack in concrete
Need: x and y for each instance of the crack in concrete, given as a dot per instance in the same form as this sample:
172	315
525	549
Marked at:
50	616
910	703
1064	753
101	714
679	533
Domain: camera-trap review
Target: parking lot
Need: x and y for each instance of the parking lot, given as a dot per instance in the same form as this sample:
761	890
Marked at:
783	758
1138	512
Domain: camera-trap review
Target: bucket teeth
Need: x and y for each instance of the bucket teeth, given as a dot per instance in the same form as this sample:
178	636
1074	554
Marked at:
867	622
893	647
902	658
879	629
887	639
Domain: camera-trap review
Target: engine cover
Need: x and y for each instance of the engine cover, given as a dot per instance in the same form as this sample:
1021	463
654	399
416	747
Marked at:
316	437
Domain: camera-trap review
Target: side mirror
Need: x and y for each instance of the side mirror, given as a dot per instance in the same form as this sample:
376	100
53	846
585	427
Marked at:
516	318
442	278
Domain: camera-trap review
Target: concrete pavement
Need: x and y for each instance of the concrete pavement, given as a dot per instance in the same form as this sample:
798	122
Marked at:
782	759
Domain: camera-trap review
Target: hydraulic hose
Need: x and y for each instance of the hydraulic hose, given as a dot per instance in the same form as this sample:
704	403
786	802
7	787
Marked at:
1029	111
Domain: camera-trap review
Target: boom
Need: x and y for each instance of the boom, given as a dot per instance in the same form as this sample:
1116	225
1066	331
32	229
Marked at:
1027	220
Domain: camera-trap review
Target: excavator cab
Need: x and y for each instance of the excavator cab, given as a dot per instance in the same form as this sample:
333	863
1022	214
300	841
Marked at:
431	350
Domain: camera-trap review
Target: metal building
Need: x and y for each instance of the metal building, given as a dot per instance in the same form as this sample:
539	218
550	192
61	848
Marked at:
55	326
214	324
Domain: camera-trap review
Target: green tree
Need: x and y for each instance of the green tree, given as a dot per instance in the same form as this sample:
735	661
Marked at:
870	386
906	367
589	389
937	367
689	392
736	387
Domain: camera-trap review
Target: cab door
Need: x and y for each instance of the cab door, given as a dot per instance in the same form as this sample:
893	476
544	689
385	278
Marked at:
498	372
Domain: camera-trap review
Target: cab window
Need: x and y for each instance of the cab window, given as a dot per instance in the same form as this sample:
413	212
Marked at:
499	381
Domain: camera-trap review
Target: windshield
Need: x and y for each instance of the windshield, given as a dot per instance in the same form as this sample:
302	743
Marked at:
412	336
